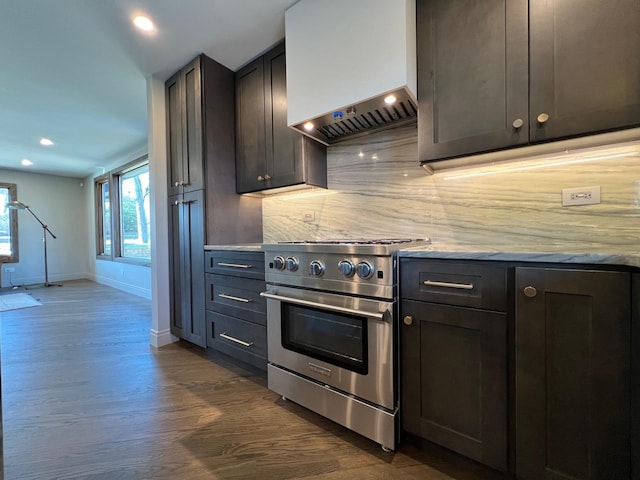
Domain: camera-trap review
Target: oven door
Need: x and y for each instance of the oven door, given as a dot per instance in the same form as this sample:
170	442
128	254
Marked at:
341	341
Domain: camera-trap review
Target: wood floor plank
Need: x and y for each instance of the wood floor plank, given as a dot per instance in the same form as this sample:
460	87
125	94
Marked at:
84	396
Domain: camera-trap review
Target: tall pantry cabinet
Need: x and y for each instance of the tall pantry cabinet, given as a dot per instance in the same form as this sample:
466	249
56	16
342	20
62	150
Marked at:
203	205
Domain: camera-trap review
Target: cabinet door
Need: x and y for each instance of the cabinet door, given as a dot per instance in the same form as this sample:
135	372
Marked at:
177	267
174	134
585	67
251	165
472	76
187	267
192	151
572	374
454	379
285	161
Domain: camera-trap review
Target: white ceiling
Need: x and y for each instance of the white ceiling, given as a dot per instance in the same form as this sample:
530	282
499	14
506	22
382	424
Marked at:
75	71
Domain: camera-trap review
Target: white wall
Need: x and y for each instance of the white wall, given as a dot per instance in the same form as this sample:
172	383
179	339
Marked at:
60	203
160	306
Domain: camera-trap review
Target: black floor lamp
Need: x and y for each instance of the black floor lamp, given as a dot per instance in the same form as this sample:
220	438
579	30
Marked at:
16	205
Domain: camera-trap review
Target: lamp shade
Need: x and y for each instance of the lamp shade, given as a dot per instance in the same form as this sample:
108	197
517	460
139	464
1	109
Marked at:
16	205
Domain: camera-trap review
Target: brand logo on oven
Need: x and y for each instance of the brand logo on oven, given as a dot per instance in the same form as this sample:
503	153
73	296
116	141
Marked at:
318	369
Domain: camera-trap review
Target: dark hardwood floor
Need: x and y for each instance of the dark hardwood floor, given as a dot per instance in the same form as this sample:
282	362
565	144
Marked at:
84	396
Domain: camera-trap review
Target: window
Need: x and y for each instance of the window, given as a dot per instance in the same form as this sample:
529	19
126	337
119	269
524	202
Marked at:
103	216
135	239
8	224
123	213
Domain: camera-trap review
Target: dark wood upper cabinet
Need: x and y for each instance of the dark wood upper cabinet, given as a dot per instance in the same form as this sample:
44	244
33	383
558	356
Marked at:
498	74
251	151
269	154
185	129
585	67
572	374
174	133
472	76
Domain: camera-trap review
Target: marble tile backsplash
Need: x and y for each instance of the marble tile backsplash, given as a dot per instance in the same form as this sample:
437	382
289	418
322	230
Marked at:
377	190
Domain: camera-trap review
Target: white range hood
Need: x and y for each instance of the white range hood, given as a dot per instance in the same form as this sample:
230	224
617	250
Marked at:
344	58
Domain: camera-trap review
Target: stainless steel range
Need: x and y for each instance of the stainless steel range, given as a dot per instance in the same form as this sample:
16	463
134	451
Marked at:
332	330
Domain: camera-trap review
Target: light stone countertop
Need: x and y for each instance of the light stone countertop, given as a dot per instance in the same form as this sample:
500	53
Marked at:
240	247
560	254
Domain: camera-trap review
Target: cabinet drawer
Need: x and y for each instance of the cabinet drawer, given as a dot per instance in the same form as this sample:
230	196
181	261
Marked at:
242	340
237	297
239	264
464	284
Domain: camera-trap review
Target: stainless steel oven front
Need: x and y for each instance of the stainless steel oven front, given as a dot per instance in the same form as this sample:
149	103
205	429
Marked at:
331	333
335	354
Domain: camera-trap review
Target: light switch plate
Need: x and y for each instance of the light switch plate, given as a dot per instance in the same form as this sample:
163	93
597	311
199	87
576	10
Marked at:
309	216
580	196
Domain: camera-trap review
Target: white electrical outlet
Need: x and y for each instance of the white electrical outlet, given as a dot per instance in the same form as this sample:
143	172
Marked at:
9	269
309	216
580	196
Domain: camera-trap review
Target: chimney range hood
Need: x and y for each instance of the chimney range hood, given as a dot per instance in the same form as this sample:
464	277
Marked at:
351	66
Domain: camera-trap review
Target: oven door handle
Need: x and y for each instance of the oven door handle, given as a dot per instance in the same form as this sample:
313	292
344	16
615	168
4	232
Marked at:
324	306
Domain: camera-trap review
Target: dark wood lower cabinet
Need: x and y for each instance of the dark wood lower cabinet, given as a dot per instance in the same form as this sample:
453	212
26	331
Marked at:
236	313
635	377
572	374
186	223
454	379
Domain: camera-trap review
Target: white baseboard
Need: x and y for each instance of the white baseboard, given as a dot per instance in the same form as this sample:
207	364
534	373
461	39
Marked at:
161	338
125	287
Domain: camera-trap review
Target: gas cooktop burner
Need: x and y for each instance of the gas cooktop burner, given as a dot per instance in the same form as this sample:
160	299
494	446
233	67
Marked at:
353	266
384	241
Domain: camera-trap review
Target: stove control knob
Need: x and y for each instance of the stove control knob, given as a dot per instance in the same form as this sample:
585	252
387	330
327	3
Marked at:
346	267
316	268
292	264
364	270
278	263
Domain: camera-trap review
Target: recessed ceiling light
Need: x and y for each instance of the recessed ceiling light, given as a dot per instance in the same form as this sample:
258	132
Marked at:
143	23
46	142
26	162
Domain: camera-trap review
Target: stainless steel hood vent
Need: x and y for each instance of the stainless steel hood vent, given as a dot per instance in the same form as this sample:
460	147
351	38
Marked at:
364	118
340	76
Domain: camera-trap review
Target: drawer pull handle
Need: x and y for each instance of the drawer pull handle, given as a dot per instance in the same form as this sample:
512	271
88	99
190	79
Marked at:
232	339
463	286
237	299
234	265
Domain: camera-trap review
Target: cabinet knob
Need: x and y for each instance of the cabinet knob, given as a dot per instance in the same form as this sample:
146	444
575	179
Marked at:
260	178
517	123
542	118
530	292
267	176
177	184
408	320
